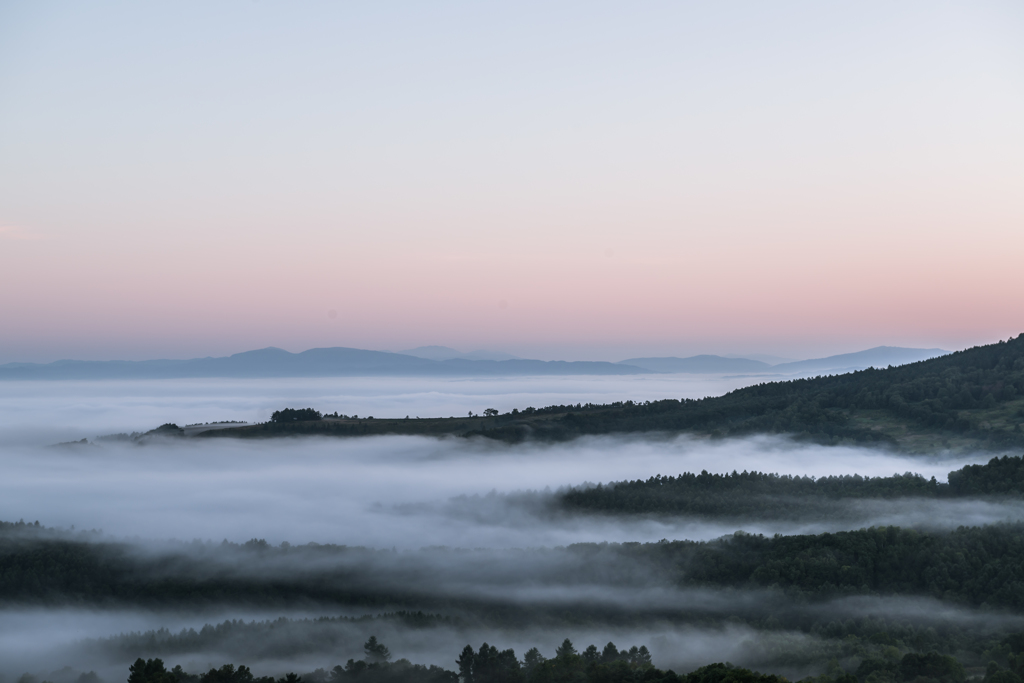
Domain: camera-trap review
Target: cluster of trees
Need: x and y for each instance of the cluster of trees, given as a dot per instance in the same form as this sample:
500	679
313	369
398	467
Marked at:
486	665
22	525
491	665
1000	476
759	493
864	649
401	671
296	415
972	394
847	641
292	415
247	639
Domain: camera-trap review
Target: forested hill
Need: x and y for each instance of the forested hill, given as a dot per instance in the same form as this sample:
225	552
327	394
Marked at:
768	496
972	398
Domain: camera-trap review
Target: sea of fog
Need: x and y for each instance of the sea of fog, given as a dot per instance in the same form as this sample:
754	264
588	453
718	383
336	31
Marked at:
411	492
389	492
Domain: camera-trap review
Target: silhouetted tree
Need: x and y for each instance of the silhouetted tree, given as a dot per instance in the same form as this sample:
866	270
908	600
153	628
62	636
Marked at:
565	649
376	652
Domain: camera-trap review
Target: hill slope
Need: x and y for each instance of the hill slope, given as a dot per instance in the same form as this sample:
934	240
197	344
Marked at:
968	399
878	357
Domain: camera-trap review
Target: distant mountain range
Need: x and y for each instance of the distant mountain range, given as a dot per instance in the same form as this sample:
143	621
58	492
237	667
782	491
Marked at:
439	361
332	362
963	402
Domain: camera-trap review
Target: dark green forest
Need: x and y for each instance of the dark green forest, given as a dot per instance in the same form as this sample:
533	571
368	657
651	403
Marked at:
296	415
859	645
971	398
770	585
489	664
981	567
773	495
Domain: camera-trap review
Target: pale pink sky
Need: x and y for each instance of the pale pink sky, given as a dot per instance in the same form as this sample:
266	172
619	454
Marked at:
586	181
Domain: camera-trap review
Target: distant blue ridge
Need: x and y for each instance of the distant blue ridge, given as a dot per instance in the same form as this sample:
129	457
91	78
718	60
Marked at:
347	362
329	362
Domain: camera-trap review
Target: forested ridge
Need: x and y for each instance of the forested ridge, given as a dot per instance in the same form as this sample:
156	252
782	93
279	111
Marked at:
974	396
971	566
747	493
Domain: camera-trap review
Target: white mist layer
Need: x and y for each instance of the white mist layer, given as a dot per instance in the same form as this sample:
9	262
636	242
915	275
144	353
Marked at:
394	491
42	641
46	412
407	493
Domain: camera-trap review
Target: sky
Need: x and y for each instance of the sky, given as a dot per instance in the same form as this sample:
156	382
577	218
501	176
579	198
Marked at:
575	180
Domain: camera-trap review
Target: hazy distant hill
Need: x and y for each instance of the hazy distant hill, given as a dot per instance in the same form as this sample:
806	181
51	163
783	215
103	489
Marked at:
435	361
447	353
698	364
331	362
964	400
878	357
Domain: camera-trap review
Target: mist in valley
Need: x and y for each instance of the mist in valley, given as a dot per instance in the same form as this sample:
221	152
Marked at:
451	526
785	226
43	642
410	492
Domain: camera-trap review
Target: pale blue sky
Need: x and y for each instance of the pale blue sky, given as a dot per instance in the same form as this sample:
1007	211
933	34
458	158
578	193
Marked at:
628	178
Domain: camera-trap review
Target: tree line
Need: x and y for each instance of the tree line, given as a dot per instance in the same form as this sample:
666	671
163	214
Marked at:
851	640
745	493
858	648
296	415
489	664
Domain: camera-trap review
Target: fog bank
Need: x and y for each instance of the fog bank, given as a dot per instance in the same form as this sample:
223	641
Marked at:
396	491
48	412
44	641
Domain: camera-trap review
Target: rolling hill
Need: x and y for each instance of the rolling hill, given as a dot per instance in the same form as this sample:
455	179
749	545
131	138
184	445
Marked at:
967	399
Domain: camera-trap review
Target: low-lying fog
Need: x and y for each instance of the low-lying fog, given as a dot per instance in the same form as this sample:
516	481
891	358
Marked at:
404	493
395	491
47	412
42	642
